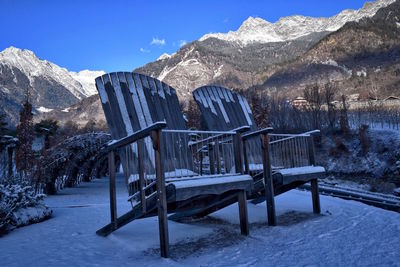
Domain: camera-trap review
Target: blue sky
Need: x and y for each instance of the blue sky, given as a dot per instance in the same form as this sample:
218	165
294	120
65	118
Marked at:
122	35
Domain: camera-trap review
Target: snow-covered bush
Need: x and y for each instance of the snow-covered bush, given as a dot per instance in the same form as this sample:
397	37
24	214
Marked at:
20	205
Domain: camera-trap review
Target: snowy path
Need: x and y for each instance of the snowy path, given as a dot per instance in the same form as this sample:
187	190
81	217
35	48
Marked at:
347	233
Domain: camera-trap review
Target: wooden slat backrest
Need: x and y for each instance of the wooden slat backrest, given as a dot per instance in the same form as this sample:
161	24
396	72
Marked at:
224	110
133	101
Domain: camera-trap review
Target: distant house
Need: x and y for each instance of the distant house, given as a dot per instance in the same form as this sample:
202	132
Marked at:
299	102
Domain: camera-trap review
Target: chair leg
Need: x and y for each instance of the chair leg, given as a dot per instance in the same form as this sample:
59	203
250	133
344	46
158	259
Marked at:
244	222
113	198
315	196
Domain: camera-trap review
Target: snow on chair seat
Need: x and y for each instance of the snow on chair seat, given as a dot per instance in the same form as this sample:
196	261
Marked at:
305	173
213	185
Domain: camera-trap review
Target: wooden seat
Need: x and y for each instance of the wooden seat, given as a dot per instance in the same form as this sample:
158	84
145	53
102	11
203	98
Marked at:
280	161
166	166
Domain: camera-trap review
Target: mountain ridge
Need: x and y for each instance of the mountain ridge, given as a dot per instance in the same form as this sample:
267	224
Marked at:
292	27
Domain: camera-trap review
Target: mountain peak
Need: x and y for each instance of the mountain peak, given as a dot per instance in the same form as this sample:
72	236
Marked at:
255	29
255	22
163	56
79	84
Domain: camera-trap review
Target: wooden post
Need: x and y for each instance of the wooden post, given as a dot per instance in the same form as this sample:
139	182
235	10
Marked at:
246	159
268	182
314	182
315	196
237	152
113	197
244	222
140	144
162	198
10	150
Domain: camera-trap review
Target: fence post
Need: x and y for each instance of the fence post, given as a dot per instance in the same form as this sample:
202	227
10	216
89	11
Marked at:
268	182
161	192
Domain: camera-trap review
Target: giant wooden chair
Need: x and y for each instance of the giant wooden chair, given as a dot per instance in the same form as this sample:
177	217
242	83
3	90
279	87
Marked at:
277	162
167	168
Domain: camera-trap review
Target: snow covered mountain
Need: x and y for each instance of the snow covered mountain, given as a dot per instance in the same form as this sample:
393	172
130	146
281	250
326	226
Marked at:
248	56
50	86
80	84
290	28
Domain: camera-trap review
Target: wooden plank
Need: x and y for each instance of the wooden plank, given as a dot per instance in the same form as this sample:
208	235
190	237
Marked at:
287	179
237	151
142	183
113	198
128	98
244	182
106	106
116	114
156	99
135	213
245	157
315	196
268	182
244	222
162	198
173	103
211	157
142	99
220	202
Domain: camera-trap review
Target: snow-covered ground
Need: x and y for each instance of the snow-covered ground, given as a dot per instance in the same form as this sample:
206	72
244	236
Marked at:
346	233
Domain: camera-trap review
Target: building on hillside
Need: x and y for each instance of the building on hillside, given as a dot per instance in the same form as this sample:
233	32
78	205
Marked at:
299	102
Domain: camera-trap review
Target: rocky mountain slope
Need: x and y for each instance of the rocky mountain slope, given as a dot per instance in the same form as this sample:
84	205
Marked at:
250	55
362	57
293	27
49	85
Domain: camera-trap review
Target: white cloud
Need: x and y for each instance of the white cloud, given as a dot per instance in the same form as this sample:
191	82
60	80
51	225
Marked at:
144	50
182	43
157	41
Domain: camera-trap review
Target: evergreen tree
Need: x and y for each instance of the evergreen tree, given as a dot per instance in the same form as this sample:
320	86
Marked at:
24	156
193	116
48	129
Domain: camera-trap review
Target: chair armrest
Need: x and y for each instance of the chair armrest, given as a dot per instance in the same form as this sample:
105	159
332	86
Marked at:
259	132
115	144
241	129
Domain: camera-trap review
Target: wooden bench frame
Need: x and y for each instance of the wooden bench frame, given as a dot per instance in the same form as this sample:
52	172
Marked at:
267	172
217	105
181	196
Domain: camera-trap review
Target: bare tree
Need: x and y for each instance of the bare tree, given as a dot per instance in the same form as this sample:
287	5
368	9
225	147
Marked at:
344	122
314	98
329	97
